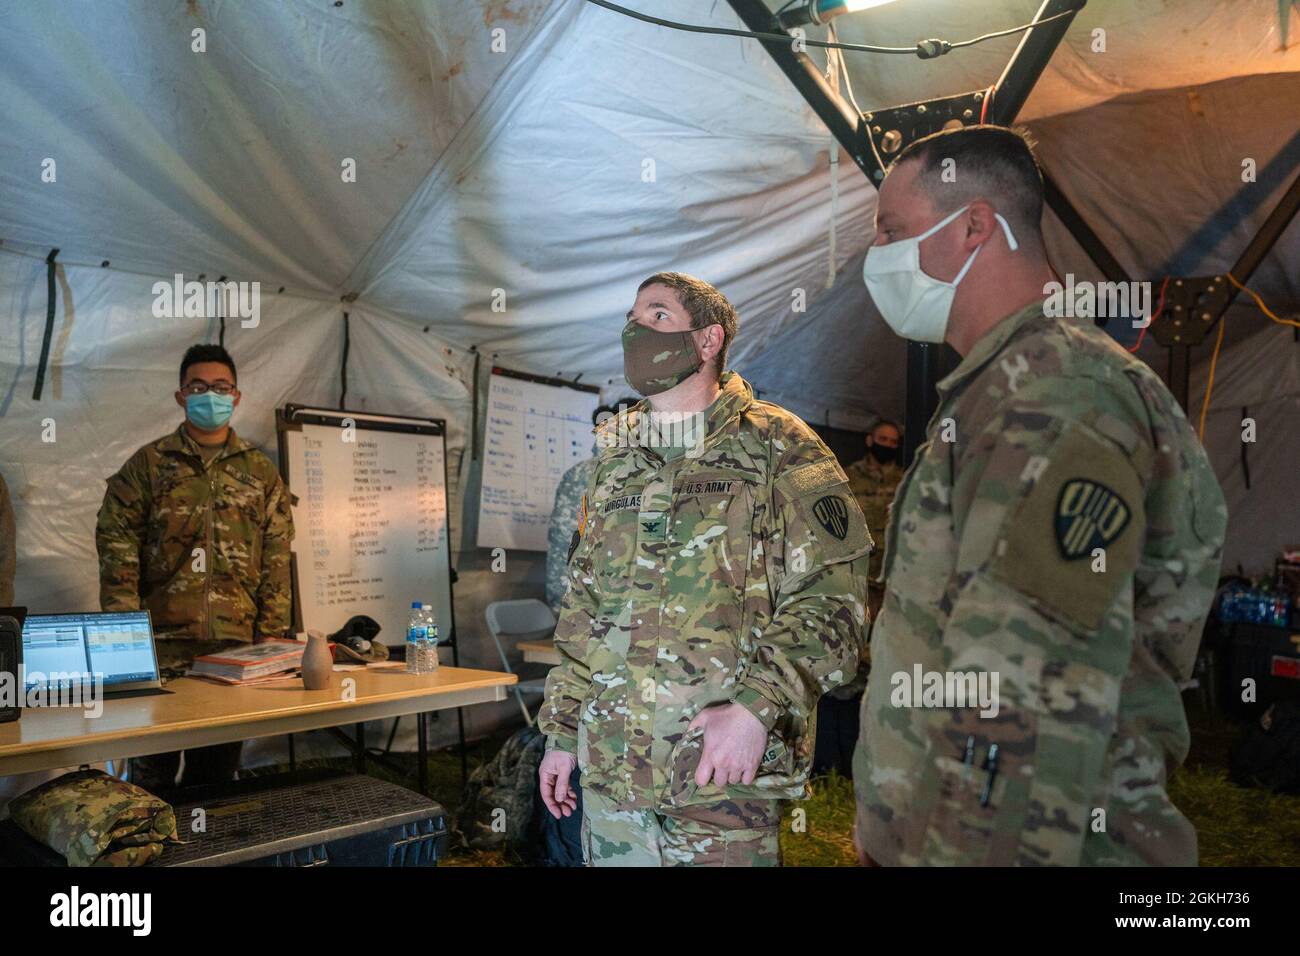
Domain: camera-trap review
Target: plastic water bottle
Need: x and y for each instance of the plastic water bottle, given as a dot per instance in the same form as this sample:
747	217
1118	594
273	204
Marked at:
429	663
415	639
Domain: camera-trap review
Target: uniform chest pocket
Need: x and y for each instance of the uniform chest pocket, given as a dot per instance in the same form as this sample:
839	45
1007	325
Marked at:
240	495
607	548
712	531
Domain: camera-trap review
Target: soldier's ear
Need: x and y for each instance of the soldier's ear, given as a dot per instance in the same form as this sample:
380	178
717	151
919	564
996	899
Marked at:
710	341
180	399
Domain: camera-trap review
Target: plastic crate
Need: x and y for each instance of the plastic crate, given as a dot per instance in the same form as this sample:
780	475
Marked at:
311	818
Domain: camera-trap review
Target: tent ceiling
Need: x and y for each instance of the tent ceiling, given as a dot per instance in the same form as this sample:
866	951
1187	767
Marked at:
526	171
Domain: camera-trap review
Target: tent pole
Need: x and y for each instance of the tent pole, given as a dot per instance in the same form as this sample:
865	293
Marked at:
844	122
926	364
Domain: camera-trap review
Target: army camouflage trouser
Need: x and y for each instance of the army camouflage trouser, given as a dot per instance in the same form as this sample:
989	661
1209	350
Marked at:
724	834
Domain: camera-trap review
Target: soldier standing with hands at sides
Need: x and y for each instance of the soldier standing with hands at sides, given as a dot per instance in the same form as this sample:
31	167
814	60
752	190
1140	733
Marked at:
716	591
196	527
873	480
1060	530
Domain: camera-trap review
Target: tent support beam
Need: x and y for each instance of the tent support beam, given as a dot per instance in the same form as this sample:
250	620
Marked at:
926	364
844	122
1195	304
1078	227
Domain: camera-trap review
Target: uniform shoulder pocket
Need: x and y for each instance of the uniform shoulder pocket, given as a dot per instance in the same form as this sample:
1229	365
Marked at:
824	510
1075	536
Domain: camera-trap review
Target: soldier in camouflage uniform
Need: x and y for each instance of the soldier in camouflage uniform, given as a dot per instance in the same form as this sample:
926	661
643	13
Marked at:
564	517
196	527
716	591
1060	529
873	480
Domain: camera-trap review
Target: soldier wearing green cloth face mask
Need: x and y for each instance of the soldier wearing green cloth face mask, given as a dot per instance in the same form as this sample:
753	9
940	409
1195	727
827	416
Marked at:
196	527
716	590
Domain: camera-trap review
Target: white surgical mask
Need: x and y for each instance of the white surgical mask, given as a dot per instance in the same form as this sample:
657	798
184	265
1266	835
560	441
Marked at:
914	303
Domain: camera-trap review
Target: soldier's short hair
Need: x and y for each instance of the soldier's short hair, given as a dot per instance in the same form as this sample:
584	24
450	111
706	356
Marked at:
704	304
207	353
994	163
887	422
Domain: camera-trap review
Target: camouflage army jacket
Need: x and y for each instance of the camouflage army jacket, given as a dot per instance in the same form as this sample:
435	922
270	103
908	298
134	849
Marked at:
204	547
733	572
1060	532
563	523
873	485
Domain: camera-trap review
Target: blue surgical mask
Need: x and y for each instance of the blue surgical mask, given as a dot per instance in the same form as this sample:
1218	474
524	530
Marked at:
209	411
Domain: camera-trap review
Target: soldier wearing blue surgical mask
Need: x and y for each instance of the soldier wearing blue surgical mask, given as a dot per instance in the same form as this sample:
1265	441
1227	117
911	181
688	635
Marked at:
196	527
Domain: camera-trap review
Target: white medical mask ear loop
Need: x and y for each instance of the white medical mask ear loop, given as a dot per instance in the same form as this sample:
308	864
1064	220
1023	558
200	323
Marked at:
1011	241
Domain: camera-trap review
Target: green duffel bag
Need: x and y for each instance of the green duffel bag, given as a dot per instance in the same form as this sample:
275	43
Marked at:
96	820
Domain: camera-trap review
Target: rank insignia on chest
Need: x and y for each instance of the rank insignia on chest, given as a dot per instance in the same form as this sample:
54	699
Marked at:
1088	516
653	526
833	513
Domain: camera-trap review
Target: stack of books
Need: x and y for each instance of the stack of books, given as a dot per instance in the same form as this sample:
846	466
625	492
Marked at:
251	664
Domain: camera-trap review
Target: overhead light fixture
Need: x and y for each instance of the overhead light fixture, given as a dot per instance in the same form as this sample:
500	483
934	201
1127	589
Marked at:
820	11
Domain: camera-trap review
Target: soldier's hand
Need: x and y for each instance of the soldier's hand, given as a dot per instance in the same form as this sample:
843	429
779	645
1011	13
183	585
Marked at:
553	775
733	745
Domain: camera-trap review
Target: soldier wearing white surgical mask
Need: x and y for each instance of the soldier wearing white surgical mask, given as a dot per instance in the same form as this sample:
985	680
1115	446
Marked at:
1053	550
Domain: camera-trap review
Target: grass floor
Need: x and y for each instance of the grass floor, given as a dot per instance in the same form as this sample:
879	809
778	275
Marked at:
1236	826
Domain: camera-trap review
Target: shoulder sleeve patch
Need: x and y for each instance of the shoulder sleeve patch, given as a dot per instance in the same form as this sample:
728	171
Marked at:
1076	536
824	521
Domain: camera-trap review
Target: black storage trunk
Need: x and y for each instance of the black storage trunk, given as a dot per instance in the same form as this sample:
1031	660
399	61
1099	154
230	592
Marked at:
1268	655
310	818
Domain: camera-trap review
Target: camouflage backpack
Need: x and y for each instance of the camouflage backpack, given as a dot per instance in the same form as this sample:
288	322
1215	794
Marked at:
96	820
499	810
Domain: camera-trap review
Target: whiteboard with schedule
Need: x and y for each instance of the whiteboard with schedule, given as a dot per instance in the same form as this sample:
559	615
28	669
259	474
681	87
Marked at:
536	429
369	496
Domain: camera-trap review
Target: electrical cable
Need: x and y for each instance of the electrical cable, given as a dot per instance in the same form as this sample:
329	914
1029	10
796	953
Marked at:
925	49
1160	307
853	101
1209	385
1218	343
1260	302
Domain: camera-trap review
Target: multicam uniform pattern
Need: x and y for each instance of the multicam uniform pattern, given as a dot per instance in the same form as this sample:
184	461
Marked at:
873	485
166	502
1052	449
563	524
732	572
96	820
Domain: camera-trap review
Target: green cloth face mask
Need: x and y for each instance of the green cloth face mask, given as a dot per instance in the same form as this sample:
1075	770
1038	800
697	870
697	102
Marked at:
655	361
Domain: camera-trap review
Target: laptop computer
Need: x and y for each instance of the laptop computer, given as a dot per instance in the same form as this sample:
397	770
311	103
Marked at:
117	645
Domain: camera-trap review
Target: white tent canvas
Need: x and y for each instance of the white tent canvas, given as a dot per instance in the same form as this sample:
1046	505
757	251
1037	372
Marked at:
494	177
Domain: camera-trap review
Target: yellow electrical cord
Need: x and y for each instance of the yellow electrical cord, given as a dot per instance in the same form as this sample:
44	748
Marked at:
1260	302
1209	386
1214	359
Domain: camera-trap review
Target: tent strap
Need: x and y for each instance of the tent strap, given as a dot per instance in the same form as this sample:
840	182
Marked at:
50	299
343	368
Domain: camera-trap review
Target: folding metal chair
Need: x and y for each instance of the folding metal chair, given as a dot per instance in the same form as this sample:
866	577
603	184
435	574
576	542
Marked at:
527	620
